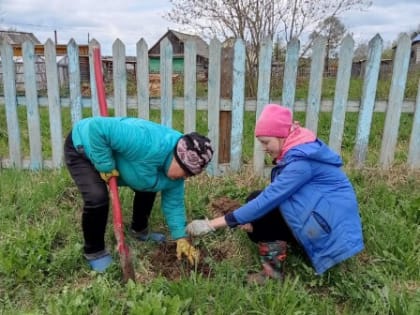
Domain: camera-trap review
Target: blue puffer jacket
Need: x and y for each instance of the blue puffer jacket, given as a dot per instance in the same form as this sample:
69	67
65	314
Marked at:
316	200
142	152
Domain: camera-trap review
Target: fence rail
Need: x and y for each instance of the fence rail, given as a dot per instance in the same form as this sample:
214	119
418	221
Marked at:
235	104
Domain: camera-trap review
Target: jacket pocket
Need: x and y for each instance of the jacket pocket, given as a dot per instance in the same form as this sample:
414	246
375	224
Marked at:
316	229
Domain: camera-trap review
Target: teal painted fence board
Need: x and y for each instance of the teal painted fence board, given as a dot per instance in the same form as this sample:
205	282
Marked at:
32	111
215	52
54	106
341	93
263	97
290	73
9	85
212	103
395	100
142	74
119	75
74	82
315	84
190	83
238	102
368	100
166	82
413	159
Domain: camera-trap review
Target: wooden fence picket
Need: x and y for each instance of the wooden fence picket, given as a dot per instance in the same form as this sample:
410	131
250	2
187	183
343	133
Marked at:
32	110
395	100
215	51
190	83
238	104
413	159
142	75
315	84
368	100
119	75
263	97
341	94
74	82
54	105
166	82
290	73
9	83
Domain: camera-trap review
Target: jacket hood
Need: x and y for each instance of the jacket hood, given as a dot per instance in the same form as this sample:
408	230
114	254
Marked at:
316	151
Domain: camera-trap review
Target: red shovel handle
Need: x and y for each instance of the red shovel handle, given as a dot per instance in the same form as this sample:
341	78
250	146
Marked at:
127	266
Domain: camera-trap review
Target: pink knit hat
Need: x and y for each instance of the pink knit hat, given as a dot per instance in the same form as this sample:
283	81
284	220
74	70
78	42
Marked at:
275	121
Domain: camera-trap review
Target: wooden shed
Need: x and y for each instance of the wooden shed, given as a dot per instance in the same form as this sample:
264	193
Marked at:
177	39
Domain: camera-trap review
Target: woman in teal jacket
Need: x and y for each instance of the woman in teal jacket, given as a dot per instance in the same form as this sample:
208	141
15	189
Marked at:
310	201
148	158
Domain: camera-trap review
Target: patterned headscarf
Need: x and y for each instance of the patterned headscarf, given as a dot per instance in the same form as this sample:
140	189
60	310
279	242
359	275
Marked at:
193	152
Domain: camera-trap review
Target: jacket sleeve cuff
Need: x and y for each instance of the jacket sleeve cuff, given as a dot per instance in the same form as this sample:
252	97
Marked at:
231	220
178	234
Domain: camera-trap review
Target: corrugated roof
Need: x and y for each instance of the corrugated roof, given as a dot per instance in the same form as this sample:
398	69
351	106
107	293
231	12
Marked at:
17	38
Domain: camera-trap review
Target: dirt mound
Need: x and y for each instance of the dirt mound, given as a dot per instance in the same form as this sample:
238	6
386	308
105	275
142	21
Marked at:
163	259
165	263
223	205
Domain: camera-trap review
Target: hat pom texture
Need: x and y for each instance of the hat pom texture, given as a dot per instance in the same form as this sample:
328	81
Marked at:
275	121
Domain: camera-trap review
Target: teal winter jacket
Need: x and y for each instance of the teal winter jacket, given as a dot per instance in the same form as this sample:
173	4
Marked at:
142	152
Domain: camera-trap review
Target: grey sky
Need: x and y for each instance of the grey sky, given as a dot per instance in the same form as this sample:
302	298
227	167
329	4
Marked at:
131	20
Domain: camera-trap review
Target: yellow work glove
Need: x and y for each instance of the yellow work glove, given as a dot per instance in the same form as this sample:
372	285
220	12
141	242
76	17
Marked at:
107	176
183	247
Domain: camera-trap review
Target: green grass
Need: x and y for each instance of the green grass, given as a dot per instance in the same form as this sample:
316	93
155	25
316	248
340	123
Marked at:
302	84
42	270
328	88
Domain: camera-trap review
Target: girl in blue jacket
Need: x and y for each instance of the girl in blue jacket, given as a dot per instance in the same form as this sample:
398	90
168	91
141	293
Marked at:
309	202
148	158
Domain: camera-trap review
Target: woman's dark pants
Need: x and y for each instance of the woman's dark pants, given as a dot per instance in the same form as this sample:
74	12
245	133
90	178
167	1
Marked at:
95	196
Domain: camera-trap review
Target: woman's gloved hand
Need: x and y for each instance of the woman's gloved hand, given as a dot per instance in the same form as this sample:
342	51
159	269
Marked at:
107	176
199	227
183	247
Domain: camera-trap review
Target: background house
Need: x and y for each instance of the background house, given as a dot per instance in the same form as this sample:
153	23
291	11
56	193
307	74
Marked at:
16	39
177	40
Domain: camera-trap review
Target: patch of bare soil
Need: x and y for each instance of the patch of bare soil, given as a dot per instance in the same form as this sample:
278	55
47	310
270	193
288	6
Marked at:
165	263
223	206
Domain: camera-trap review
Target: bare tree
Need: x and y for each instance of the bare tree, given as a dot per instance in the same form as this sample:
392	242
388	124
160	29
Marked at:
361	51
305	14
253	20
333	31
250	20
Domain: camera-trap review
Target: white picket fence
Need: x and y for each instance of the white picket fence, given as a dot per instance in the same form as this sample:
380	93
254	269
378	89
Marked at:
237	104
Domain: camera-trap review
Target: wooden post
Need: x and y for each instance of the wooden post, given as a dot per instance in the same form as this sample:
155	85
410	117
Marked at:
226	93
